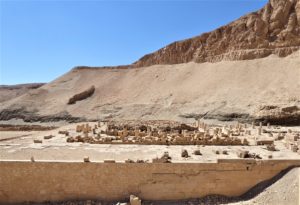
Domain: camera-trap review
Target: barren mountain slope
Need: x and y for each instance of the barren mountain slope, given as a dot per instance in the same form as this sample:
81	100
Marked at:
275	29
188	79
226	90
8	92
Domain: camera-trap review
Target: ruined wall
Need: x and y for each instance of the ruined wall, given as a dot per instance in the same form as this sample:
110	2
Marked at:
41	181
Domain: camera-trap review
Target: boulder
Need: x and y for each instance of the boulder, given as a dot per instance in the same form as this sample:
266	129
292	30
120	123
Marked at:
197	152
184	153
243	154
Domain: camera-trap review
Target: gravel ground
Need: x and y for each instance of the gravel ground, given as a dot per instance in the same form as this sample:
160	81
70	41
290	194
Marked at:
285	191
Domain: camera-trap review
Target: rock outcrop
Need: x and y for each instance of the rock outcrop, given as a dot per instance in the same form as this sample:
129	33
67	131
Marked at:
275	29
279	115
81	96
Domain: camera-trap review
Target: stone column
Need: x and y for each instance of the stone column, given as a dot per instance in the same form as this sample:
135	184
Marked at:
237	125
259	130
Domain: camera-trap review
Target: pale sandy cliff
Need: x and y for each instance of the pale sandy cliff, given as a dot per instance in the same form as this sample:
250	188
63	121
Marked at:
275	29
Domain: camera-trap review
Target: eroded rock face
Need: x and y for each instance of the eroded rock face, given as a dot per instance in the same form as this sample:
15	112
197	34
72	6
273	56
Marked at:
289	115
275	29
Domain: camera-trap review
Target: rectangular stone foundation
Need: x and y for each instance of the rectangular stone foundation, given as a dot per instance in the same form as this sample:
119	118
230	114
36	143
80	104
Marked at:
57	181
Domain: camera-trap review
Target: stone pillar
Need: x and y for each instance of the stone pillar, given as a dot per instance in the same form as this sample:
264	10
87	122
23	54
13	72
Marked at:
184	133
259	130
268	125
85	130
237	125
149	129
253	125
136	133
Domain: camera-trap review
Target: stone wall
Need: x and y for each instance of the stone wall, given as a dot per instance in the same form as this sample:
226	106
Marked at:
42	181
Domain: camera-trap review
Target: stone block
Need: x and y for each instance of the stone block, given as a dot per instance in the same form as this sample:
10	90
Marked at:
109	161
291	137
86	159
197	152
134	200
264	142
47	137
32	159
294	148
37	141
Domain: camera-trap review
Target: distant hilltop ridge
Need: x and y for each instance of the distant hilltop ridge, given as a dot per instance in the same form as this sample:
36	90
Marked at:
274	29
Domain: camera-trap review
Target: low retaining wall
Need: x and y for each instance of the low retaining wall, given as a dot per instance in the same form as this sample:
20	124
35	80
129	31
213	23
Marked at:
56	181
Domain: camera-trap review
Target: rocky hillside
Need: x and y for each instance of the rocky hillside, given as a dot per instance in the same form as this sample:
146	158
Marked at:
8	92
275	29
254	76
264	89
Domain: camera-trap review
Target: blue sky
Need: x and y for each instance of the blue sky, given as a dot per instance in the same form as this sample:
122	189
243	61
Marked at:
41	40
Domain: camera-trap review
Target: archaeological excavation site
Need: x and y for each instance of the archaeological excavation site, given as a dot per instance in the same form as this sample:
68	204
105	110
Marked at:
212	119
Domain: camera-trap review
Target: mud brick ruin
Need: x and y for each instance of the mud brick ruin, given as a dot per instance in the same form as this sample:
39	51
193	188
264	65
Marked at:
158	133
174	133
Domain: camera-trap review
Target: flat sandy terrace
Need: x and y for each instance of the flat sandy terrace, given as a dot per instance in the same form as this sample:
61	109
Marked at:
19	145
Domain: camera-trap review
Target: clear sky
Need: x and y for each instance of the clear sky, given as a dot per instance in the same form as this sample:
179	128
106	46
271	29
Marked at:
41	40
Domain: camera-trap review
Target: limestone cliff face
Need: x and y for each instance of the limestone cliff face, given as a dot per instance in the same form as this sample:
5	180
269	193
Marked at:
275	29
